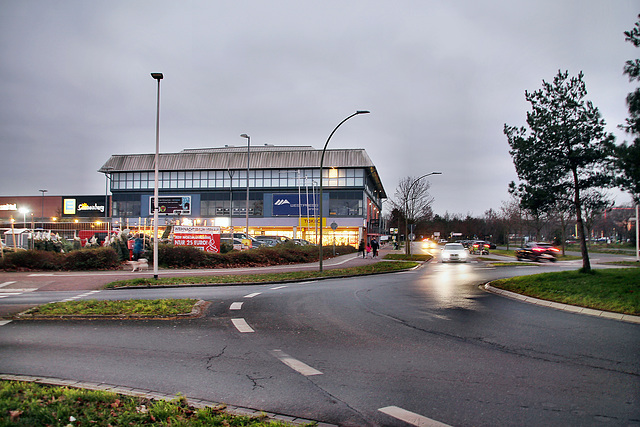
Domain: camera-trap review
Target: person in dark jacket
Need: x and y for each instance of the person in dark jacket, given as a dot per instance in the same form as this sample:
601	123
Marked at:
138	247
374	247
361	247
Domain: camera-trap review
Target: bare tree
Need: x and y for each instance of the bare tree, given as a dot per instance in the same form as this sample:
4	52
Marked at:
412	198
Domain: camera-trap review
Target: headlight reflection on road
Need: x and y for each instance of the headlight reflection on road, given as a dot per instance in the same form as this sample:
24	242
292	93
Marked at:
448	285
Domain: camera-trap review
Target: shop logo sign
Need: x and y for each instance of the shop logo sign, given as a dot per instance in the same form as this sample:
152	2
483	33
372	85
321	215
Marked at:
281	202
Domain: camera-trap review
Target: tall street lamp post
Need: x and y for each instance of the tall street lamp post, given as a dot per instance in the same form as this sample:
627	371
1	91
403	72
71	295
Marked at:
158	77
406	210
42	212
321	166
244	135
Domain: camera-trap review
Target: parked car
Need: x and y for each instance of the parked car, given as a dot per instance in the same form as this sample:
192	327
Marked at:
301	242
268	242
537	251
479	247
454	252
271	239
254	242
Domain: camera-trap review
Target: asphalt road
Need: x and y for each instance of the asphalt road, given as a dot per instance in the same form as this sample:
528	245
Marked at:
425	346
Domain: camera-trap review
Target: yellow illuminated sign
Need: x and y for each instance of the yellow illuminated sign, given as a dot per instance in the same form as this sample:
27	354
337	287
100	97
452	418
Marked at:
69	206
311	222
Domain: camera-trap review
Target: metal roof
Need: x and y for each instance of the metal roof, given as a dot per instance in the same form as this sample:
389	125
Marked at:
234	157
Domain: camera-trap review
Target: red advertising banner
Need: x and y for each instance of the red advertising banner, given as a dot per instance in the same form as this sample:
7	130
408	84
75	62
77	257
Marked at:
204	238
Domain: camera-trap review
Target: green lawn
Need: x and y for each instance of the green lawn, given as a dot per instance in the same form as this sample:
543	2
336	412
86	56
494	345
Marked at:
376	267
615	289
30	404
155	308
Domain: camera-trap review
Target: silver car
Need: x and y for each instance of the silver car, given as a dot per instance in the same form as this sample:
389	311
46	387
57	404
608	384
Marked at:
454	252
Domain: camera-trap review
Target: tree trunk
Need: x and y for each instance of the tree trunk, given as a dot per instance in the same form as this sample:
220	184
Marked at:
563	234
586	265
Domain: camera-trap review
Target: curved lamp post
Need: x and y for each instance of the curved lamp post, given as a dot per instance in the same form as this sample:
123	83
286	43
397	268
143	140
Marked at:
158	77
321	165
406	209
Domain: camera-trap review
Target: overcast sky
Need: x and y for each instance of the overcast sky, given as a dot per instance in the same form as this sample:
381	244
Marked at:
441	78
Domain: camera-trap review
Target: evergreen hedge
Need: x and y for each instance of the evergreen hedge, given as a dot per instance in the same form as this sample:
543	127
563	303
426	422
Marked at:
169	256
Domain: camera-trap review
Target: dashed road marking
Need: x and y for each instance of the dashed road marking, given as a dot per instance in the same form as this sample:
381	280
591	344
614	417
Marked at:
255	294
86	294
295	364
410	417
242	325
4	322
278	287
2	285
236	306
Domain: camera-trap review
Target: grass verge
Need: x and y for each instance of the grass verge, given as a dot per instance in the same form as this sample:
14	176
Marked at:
615	290
156	308
378	267
30	404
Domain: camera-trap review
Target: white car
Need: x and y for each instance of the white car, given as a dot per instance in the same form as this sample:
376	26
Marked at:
454	252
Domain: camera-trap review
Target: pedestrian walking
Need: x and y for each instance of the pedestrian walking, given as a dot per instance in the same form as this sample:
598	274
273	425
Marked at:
138	247
361	248
368	250
374	247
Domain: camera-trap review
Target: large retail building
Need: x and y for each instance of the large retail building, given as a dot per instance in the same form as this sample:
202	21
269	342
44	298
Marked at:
210	187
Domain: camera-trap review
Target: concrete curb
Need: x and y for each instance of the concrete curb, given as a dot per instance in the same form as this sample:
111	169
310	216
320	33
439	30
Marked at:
154	395
560	306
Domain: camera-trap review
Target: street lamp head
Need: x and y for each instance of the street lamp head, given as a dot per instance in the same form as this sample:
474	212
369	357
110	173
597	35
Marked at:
157	76
244	135
362	112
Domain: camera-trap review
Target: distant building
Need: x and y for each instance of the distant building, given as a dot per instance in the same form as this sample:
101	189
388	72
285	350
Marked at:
209	186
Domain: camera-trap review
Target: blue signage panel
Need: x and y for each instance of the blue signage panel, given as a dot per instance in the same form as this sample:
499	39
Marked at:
290	205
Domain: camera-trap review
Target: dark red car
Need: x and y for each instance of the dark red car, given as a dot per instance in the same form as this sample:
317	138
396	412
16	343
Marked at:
479	247
537	251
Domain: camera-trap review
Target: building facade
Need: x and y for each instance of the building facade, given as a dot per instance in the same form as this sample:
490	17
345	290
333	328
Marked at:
275	189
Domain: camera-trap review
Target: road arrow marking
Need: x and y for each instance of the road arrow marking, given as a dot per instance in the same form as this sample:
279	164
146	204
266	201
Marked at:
295	364
410	417
242	325
255	294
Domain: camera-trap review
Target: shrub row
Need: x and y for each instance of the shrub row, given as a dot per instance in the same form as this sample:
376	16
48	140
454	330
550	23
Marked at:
169	256
85	259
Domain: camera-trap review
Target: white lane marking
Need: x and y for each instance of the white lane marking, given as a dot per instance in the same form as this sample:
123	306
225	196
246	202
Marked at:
278	287
236	306
86	294
242	325
6	284
344	260
410	417
255	294
4	322
295	364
